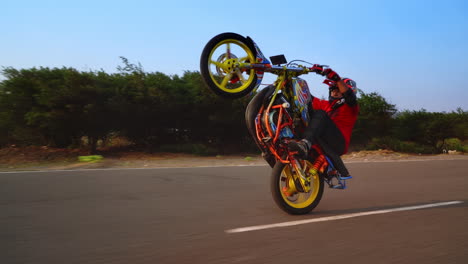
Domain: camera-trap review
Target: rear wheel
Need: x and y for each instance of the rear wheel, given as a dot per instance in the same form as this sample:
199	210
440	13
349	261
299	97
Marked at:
288	193
219	65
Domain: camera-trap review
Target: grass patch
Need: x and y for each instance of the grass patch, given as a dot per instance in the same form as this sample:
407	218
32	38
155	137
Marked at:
91	158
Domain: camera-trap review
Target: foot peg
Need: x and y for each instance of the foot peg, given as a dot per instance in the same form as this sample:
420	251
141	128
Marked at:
336	181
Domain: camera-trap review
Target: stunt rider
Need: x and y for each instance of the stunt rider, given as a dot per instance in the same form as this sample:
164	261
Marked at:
331	122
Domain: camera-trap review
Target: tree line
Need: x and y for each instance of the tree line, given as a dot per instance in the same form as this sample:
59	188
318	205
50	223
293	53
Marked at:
60	106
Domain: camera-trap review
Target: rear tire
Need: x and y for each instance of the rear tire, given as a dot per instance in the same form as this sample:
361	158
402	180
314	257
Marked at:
299	203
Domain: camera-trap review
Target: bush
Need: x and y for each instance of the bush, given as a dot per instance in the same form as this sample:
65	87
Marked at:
455	144
196	149
398	145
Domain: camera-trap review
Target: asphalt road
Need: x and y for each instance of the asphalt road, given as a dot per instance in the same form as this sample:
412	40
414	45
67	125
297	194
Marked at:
182	215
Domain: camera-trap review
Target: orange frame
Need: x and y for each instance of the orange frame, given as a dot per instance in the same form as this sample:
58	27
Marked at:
282	115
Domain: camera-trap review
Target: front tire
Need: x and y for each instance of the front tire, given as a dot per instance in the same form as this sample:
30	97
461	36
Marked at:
251	113
294	201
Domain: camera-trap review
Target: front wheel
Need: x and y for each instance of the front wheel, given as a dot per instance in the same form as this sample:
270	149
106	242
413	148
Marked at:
219	65
287	191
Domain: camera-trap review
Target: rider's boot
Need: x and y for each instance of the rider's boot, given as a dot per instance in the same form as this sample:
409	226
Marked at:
336	159
302	147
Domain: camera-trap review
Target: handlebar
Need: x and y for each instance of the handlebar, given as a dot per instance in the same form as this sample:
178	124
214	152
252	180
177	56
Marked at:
274	68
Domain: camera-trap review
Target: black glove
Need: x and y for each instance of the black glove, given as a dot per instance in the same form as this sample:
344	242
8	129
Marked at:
331	74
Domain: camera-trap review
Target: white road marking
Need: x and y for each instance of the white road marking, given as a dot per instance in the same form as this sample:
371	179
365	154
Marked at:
337	217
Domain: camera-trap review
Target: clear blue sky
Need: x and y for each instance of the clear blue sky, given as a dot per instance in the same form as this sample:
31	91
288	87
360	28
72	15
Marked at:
412	52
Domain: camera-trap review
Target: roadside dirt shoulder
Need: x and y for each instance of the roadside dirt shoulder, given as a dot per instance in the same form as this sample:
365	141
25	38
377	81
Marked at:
36	158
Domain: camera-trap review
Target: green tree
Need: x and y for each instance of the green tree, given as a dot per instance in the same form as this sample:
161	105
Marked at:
55	106
375	117
429	128
460	124
140	102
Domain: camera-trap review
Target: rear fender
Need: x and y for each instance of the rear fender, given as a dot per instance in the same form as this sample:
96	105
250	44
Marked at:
251	113
260	59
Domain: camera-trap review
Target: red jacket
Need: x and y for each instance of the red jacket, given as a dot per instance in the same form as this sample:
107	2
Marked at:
343	113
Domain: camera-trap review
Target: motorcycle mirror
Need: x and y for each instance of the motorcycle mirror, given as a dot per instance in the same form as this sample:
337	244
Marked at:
278	60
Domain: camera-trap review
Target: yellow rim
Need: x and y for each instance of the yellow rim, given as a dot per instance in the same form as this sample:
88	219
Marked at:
300	199
229	71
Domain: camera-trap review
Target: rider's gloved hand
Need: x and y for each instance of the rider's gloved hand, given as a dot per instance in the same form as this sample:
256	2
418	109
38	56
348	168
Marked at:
317	68
331	74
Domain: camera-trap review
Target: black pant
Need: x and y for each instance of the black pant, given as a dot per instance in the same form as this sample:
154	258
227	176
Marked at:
321	130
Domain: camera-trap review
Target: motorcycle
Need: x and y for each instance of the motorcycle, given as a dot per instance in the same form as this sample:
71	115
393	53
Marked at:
233	66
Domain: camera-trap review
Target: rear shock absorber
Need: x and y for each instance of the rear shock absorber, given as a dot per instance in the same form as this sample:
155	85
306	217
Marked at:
317	166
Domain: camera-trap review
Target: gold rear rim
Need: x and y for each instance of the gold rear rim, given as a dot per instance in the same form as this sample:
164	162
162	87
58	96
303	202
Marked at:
296	198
